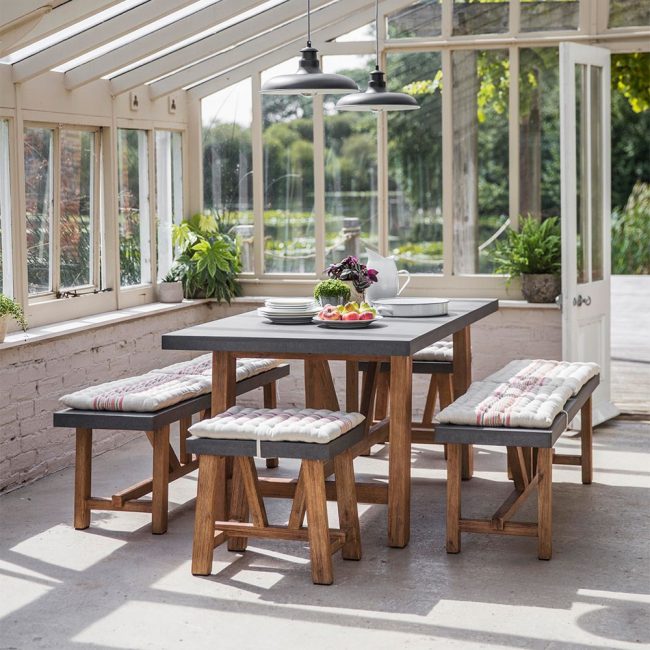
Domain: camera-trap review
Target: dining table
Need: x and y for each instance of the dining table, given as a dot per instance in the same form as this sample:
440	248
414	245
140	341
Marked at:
387	340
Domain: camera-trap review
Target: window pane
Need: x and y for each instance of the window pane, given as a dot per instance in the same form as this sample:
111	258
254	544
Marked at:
582	167
421	19
488	17
169	194
39	151
480	156
365	33
228	162
5	212
133	207
539	132
596	161
77	162
350	168
541	15
629	13
415	164
289	245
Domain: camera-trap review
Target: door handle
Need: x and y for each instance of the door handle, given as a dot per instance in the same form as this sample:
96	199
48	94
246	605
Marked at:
577	302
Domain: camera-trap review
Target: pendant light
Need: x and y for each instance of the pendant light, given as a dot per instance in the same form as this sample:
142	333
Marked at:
309	80
377	98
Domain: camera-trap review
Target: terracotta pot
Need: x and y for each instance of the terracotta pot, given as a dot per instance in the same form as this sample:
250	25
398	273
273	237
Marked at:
541	287
170	292
4	323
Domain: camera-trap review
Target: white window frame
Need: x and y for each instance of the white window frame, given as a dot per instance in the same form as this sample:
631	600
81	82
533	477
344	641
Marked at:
6	211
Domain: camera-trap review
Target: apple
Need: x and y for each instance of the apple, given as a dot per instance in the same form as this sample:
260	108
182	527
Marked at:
351	307
366	315
351	315
329	313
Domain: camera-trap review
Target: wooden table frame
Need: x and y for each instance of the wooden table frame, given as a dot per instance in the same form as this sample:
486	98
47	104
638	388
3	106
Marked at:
241	336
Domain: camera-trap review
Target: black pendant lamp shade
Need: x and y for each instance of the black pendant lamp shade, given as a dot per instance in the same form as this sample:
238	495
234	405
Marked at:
377	97
309	79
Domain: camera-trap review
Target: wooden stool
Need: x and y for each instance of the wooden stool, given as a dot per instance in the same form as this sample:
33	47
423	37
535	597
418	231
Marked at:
212	526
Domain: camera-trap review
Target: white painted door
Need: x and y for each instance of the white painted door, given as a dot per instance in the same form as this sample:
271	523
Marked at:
586	235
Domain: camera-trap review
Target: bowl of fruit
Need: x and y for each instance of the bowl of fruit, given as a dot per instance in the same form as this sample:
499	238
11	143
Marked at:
349	316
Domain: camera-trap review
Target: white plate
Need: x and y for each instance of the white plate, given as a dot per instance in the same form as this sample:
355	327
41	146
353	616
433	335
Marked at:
290	302
412	307
286	314
345	324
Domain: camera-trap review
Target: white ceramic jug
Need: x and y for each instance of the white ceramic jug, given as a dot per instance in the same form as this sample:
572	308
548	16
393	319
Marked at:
387	285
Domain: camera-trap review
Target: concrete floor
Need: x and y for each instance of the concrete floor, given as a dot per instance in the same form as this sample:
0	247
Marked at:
117	586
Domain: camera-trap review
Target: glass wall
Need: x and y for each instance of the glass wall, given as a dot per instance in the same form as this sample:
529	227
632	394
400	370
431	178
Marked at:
629	13
485	17
418	20
287	122
133	207
350	168
5	212
228	162
415	164
544	15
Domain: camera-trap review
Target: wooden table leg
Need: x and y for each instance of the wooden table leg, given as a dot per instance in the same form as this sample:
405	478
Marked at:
399	460
319	386
224	375
462	380
352	386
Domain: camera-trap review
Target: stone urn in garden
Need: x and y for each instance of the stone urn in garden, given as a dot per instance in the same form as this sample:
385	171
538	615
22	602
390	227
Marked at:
535	255
357	275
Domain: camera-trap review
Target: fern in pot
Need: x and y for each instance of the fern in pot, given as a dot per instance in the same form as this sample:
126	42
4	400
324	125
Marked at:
534	253
209	259
9	308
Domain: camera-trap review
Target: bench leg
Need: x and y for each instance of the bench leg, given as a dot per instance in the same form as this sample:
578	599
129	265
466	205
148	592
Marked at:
211	476
238	509
82	477
271	402
454	470
159	493
430	402
545	503
586	443
317	523
346	499
183	425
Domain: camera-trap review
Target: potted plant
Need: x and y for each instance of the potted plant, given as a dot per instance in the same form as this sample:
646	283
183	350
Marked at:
358	275
10	309
332	292
209	259
534	253
170	288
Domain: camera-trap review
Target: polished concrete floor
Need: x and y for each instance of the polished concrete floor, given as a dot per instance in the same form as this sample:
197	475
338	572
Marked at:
117	586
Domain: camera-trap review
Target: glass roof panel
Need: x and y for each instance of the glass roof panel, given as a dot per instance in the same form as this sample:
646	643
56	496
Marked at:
72	30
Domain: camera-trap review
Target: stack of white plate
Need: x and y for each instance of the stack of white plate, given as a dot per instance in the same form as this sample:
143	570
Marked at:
289	311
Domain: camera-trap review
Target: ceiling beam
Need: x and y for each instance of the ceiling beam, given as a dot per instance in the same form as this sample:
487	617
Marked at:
157	41
94	37
206	47
358	17
263	36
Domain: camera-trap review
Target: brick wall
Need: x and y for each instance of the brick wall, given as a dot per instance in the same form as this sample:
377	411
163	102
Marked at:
35	375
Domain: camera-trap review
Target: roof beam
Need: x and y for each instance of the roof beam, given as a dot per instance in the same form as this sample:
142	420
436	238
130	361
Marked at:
258	30
94	37
358	17
155	42
206	47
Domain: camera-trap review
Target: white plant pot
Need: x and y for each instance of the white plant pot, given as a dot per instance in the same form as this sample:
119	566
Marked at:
170	292
4	323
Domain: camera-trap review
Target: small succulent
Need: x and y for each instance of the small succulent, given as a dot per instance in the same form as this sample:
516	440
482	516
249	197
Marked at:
9	307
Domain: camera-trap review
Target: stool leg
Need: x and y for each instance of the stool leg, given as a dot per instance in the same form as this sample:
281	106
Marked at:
159	493
271	402
454	469
238	508
211	470
317	523
183	425
82	477
586	443
346	499
545	503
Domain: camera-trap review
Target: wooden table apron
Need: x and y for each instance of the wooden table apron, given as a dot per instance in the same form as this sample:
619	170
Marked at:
227	339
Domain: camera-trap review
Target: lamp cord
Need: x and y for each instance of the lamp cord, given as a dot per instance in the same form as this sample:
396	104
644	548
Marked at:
377	34
308	23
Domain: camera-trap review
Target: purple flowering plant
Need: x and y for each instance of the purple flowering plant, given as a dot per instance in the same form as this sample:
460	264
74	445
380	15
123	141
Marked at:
350	269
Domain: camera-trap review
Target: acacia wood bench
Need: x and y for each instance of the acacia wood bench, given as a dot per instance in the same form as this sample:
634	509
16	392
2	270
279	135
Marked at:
215	523
530	457
167	465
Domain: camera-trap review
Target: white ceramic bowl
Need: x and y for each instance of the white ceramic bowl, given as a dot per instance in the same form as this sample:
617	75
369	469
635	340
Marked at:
412	307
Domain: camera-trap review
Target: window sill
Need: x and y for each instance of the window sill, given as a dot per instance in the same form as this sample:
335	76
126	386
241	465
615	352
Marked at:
523	304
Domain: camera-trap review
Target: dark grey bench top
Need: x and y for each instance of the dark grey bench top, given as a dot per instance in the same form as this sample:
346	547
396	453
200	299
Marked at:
279	449
517	437
249	332
137	421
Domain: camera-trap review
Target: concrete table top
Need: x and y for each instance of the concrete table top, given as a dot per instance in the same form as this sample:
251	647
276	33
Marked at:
250	332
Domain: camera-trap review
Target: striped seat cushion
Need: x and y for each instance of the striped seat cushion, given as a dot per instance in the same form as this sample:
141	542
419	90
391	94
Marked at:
202	366
146	393
439	351
524	394
292	425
